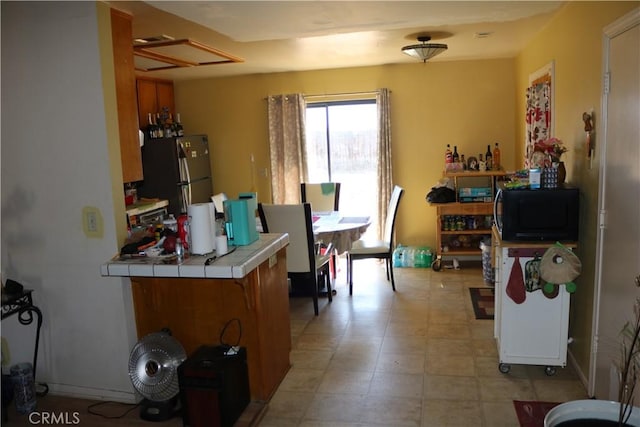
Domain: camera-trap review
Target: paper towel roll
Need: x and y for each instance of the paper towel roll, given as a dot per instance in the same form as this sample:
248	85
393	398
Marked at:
212	215
221	245
200	230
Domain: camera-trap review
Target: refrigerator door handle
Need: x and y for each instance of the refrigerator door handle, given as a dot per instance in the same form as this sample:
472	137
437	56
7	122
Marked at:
183	165
185	176
186	195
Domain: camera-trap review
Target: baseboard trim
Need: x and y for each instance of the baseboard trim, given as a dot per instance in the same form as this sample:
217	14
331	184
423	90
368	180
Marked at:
583	379
92	393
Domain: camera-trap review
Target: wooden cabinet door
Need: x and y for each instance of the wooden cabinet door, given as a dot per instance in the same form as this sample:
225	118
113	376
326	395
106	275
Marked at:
125	81
153	95
164	96
147	101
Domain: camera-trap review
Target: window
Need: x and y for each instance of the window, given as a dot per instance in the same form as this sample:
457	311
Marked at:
342	146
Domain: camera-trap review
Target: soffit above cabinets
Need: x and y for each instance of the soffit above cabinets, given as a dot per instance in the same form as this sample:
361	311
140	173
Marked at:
168	54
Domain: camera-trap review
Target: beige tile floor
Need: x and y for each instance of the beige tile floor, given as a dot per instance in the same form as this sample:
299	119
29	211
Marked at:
416	357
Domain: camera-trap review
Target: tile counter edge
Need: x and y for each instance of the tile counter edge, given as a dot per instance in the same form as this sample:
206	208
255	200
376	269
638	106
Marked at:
235	265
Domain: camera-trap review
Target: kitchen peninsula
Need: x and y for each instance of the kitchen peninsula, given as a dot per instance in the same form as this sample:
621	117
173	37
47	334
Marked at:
196	301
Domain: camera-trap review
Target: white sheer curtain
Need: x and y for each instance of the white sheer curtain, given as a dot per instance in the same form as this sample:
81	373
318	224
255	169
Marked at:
385	173
286	141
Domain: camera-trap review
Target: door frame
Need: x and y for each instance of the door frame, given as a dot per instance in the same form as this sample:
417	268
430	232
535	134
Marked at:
612	30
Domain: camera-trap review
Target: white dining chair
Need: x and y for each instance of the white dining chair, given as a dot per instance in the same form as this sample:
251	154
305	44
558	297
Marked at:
305	264
381	249
323	196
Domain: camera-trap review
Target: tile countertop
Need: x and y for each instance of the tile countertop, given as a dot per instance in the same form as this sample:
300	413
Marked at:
234	265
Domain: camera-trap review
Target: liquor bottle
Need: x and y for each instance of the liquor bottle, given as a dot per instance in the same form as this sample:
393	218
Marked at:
496	157
152	133
489	158
463	161
448	157
456	156
159	126
168	127
179	128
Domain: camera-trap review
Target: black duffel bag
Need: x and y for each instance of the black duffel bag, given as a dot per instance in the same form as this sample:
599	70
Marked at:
441	195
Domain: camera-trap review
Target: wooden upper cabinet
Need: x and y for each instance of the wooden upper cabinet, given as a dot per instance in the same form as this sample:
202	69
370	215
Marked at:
164	92
125	80
153	95
147	100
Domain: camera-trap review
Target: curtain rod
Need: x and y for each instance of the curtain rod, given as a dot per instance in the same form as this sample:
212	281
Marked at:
369	92
326	95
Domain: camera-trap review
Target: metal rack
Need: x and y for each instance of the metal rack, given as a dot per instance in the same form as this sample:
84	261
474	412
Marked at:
21	303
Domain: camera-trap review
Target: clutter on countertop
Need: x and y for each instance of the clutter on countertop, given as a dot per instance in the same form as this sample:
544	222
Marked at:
161	241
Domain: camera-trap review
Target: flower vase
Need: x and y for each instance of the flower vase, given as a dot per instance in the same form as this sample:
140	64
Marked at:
562	173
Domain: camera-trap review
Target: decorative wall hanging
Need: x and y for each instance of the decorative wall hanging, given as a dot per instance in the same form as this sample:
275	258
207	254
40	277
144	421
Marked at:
539	115
589	132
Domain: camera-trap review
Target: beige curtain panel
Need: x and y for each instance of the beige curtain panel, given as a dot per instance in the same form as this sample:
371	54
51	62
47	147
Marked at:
286	140
385	174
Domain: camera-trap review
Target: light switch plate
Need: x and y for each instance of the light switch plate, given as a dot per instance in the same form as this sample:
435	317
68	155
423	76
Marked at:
92	223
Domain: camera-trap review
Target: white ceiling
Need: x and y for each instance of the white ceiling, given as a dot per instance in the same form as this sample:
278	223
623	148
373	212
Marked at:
276	36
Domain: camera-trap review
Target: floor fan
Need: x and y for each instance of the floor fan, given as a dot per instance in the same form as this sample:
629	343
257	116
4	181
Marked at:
153	369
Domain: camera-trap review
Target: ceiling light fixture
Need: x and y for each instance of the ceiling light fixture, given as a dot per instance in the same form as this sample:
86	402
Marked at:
424	51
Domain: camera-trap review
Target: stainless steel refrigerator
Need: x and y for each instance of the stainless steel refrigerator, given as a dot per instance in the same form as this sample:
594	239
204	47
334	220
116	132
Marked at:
178	170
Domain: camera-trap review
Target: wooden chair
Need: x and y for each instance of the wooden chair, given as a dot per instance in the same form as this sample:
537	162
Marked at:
324	196
305	263
381	249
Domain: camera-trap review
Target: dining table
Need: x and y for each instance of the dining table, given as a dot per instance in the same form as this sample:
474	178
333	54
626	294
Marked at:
339	229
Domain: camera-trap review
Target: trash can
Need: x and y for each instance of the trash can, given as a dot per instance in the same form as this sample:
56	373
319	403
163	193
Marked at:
24	388
487	271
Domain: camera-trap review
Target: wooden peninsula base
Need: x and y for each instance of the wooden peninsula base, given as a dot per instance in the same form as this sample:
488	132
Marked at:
196	311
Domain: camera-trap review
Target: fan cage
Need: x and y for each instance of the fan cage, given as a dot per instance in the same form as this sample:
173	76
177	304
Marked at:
157	350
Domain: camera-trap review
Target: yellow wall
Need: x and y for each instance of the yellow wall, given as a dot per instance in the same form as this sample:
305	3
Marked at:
574	41
468	103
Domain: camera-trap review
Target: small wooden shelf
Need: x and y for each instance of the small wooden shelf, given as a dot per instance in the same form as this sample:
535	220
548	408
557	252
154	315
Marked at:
457	208
144	206
465	209
477	231
464	251
493	173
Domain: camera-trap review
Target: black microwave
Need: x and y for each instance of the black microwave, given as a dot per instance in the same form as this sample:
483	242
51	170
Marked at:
545	214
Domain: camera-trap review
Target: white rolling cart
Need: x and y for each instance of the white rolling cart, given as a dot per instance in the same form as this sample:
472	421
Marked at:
535	330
